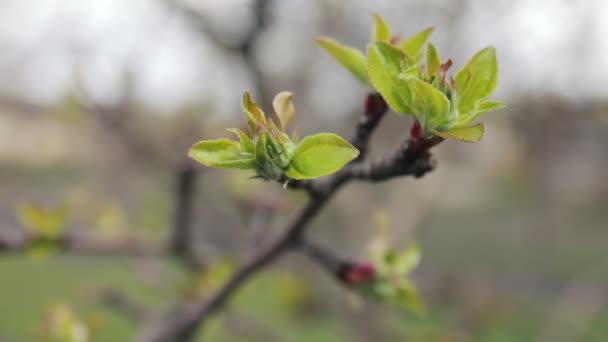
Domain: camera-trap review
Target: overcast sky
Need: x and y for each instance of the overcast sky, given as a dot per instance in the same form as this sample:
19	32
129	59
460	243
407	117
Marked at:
544	46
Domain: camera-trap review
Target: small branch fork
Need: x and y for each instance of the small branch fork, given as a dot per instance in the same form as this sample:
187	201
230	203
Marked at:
412	158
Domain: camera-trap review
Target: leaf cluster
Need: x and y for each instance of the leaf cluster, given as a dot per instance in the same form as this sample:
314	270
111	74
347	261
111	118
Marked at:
443	106
272	153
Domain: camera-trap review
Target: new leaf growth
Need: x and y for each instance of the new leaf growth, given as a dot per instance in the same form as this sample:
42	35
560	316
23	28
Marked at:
443	106
270	151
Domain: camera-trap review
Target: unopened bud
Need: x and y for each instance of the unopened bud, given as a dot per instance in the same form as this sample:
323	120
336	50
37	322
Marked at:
356	274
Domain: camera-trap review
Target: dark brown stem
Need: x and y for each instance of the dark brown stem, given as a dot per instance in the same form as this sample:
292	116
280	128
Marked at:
323	257
181	325
375	108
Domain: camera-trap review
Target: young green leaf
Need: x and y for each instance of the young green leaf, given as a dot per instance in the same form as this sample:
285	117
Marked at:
466	134
487	106
413	71
221	153
413	46
350	58
480	108
407	260
429	106
384	70
319	155
433	63
246	143
381	31
476	80
284	108
407	296
253	114
262	156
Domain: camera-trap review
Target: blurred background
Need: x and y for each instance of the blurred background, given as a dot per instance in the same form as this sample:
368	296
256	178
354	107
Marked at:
100	100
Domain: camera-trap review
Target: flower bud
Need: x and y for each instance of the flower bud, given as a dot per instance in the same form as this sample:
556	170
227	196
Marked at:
354	274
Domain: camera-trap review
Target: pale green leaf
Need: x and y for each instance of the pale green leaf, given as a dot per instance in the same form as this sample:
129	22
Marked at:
319	155
476	80
275	132
283	107
246	143
350	58
253	114
480	108
384	71
221	153
413	46
433	63
381	31
407	296
466	134
413	71
262	156
407	260
487	106
428	105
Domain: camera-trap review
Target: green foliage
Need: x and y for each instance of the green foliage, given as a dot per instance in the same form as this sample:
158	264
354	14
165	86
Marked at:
428	105
466	134
381	32
350	58
413	46
320	155
476	80
384	69
443	106
221	153
354	61
433	63
284	108
44	226
392	69
270	151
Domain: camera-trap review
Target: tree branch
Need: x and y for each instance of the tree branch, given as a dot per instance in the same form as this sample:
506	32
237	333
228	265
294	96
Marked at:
375	108
323	257
411	159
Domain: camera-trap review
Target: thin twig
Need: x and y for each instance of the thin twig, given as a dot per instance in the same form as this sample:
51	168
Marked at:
181	325
323	257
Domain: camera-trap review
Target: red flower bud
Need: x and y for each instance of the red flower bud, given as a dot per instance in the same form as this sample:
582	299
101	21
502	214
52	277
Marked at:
415	130
356	274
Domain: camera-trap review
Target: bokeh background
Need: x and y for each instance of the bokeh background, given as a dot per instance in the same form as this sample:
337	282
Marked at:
100	100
